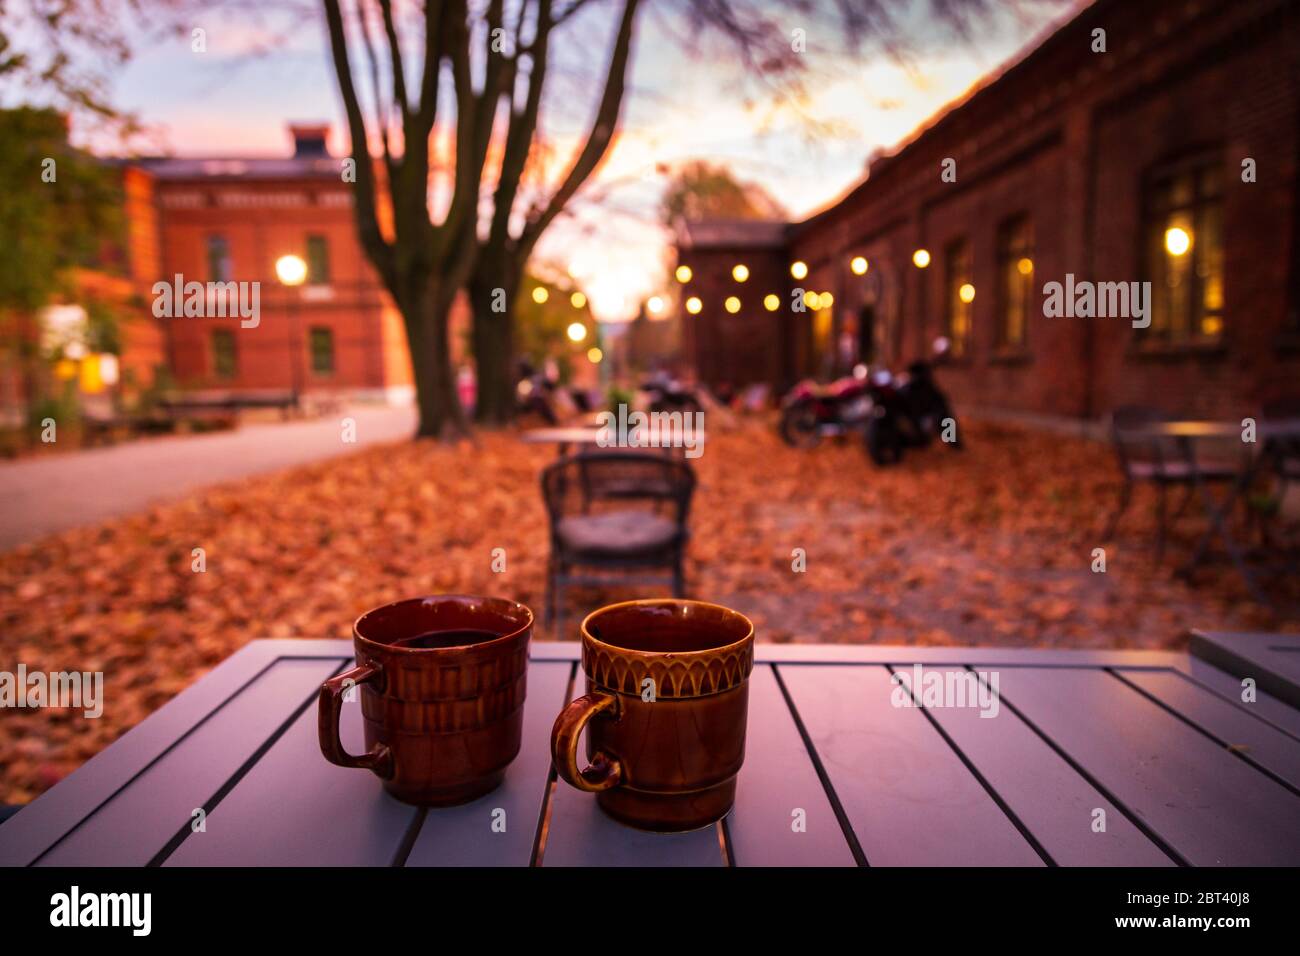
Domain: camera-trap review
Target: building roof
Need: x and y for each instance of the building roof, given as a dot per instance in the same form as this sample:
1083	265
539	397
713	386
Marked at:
240	169
731	234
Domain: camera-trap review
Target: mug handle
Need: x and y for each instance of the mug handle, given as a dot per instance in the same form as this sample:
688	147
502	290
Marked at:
605	771
330	704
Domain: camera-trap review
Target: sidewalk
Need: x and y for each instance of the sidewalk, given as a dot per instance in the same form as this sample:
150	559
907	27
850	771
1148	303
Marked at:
39	496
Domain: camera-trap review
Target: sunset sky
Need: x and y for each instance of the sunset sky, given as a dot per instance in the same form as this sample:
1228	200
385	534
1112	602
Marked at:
234	100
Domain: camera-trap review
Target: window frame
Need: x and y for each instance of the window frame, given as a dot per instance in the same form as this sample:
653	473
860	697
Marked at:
218	274
958	252
1009	254
1158	214
312	334
314	276
225	335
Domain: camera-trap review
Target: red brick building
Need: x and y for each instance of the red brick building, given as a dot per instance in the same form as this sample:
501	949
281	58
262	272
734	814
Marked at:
1170	158
229	219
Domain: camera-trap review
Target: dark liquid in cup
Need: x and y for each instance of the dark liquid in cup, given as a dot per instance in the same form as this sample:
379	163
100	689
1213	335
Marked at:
456	637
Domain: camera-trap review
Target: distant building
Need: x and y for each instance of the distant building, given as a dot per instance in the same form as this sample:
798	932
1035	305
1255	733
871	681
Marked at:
229	219
1172	158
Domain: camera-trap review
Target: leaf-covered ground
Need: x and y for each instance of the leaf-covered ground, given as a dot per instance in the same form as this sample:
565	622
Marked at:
993	545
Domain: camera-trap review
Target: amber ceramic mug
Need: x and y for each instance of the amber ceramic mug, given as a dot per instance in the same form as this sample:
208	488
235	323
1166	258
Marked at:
665	708
441	682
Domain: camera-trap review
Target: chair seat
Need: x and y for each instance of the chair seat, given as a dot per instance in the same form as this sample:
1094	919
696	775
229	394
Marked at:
1181	471
617	533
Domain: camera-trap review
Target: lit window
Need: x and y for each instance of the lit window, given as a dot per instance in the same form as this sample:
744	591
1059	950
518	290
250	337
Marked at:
1183	250
1015	291
957	306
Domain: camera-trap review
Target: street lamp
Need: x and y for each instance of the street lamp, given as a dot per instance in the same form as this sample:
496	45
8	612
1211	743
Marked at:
291	270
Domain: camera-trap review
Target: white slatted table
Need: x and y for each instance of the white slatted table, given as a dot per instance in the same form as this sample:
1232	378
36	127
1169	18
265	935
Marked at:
1184	770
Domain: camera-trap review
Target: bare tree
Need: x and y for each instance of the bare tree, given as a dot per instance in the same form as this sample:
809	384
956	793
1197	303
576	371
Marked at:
753	34
504	253
493	57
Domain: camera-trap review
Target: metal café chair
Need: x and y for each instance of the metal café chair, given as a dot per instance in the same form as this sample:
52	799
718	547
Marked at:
1283	454
620	511
1286	451
1166	461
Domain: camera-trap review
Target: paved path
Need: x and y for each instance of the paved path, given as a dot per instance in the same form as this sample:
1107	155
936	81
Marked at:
39	496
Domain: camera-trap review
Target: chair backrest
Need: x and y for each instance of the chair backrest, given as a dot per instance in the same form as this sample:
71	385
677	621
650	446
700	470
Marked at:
1133	445
1286	451
603	479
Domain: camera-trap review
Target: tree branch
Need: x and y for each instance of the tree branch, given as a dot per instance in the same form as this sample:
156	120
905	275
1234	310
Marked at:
395	56
368	232
602	132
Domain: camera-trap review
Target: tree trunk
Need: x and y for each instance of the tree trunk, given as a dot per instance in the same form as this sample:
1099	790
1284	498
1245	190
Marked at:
494	342
426	319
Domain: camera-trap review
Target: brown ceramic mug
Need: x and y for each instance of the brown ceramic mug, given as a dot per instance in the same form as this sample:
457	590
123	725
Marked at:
665	708
442	696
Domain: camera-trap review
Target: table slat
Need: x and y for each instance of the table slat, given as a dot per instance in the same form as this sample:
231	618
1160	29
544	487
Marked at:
777	779
1273	660
1234	724
38	826
139	820
1049	796
910	799
294	808
1208	805
1277	712
464	835
580	834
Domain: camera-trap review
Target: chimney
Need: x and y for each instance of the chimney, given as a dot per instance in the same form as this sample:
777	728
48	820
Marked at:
309	139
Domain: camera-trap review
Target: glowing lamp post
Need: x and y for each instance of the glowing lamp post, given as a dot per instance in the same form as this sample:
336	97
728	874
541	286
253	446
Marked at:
291	270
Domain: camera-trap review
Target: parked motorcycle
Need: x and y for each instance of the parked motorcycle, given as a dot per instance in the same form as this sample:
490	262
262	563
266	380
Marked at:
666	394
811	412
534	396
908	412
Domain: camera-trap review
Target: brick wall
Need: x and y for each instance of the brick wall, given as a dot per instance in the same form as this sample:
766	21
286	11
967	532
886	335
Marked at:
1065	138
